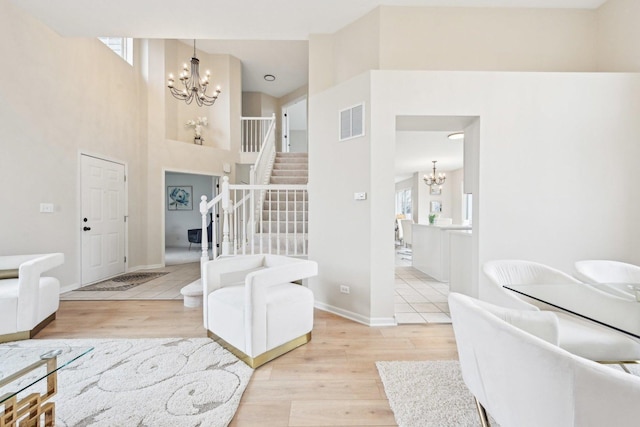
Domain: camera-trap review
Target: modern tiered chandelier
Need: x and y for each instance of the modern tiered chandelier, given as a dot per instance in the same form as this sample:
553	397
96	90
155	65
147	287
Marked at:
434	179
194	86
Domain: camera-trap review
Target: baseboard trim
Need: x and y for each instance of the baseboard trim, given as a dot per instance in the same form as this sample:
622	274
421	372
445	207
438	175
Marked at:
69	288
144	267
369	321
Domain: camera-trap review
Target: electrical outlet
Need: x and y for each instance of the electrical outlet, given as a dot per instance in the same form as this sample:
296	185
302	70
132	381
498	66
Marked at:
344	289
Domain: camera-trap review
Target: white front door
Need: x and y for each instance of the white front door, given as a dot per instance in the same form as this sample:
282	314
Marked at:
103	219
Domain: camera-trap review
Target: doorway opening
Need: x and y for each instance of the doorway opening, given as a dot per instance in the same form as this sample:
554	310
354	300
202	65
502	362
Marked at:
294	127
183	222
428	215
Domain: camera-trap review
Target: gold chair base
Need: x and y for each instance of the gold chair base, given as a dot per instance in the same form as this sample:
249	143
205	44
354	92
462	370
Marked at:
482	413
25	335
267	356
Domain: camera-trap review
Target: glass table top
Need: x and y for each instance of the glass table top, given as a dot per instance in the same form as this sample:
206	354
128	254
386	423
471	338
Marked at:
21	367
615	311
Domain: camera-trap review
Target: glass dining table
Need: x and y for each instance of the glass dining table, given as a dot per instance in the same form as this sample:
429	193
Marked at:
618	311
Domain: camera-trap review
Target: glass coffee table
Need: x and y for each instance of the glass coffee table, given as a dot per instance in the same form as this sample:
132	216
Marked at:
22	367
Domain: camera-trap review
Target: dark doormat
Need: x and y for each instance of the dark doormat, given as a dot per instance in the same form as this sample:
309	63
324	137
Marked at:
123	282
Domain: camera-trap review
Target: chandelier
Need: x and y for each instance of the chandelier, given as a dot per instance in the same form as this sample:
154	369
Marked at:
194	86
434	179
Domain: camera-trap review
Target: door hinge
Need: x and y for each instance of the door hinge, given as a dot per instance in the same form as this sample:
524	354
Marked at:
125	218
125	259
125	178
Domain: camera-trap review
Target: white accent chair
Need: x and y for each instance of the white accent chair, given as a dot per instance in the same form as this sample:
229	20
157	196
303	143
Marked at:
609	276
252	308
578	336
511	365
28	302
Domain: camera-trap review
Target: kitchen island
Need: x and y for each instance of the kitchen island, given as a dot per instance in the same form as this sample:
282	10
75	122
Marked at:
431	249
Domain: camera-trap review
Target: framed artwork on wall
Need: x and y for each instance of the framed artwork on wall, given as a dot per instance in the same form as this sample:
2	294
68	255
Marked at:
435	191
179	197
435	206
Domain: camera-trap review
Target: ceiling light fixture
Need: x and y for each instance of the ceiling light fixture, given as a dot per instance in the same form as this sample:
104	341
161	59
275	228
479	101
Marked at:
434	179
194	86
269	77
456	135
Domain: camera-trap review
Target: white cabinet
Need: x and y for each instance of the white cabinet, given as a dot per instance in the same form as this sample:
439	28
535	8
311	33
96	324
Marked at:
431	249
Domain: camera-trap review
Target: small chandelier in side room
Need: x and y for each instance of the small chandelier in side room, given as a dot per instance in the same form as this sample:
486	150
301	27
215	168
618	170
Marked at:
434	179
194	86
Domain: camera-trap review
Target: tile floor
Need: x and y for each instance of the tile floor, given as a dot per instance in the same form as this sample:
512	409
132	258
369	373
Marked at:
165	287
418	297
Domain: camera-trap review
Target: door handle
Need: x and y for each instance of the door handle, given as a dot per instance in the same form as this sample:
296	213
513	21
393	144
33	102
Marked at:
86	228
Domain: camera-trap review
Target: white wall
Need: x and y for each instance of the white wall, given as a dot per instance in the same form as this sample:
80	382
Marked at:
177	222
538	198
218	133
516	39
59	97
336	171
432	38
177	155
618	34
126	116
543	138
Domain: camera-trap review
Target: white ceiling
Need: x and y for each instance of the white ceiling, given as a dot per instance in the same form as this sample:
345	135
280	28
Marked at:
232	20
213	21
287	60
415	152
422	139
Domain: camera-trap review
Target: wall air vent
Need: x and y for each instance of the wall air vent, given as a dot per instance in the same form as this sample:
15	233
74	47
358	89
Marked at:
352	122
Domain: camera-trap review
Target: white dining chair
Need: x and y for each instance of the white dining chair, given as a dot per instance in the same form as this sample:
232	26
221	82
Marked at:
576	335
516	372
615	277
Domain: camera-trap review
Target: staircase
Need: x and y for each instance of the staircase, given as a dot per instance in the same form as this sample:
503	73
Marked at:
268	216
290	168
285	213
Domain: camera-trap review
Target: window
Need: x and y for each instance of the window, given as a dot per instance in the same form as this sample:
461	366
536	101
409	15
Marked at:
403	203
122	46
352	122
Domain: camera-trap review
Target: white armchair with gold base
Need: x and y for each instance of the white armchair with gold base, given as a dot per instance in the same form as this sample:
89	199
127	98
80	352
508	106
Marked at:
252	308
28	301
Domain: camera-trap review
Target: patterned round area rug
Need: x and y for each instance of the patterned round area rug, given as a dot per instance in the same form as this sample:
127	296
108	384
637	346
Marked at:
122	282
146	382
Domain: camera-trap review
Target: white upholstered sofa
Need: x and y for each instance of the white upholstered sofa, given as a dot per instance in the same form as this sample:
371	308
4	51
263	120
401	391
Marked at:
512	365
28	301
252	307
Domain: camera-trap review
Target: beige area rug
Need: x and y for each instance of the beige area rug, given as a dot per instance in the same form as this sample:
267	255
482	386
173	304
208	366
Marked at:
428	394
433	393
123	282
145	382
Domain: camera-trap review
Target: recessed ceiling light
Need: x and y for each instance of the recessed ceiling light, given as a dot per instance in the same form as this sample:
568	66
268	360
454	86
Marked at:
456	135
269	77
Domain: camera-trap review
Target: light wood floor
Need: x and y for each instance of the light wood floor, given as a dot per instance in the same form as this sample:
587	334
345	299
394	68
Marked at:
331	381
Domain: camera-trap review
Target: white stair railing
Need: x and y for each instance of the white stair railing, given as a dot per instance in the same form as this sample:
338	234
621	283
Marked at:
261	169
254	132
279	225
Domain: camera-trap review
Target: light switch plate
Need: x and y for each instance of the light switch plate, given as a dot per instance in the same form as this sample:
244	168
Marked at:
46	207
360	196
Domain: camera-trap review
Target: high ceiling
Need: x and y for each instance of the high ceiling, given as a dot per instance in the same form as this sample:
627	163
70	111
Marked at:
232	20
270	37
240	28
